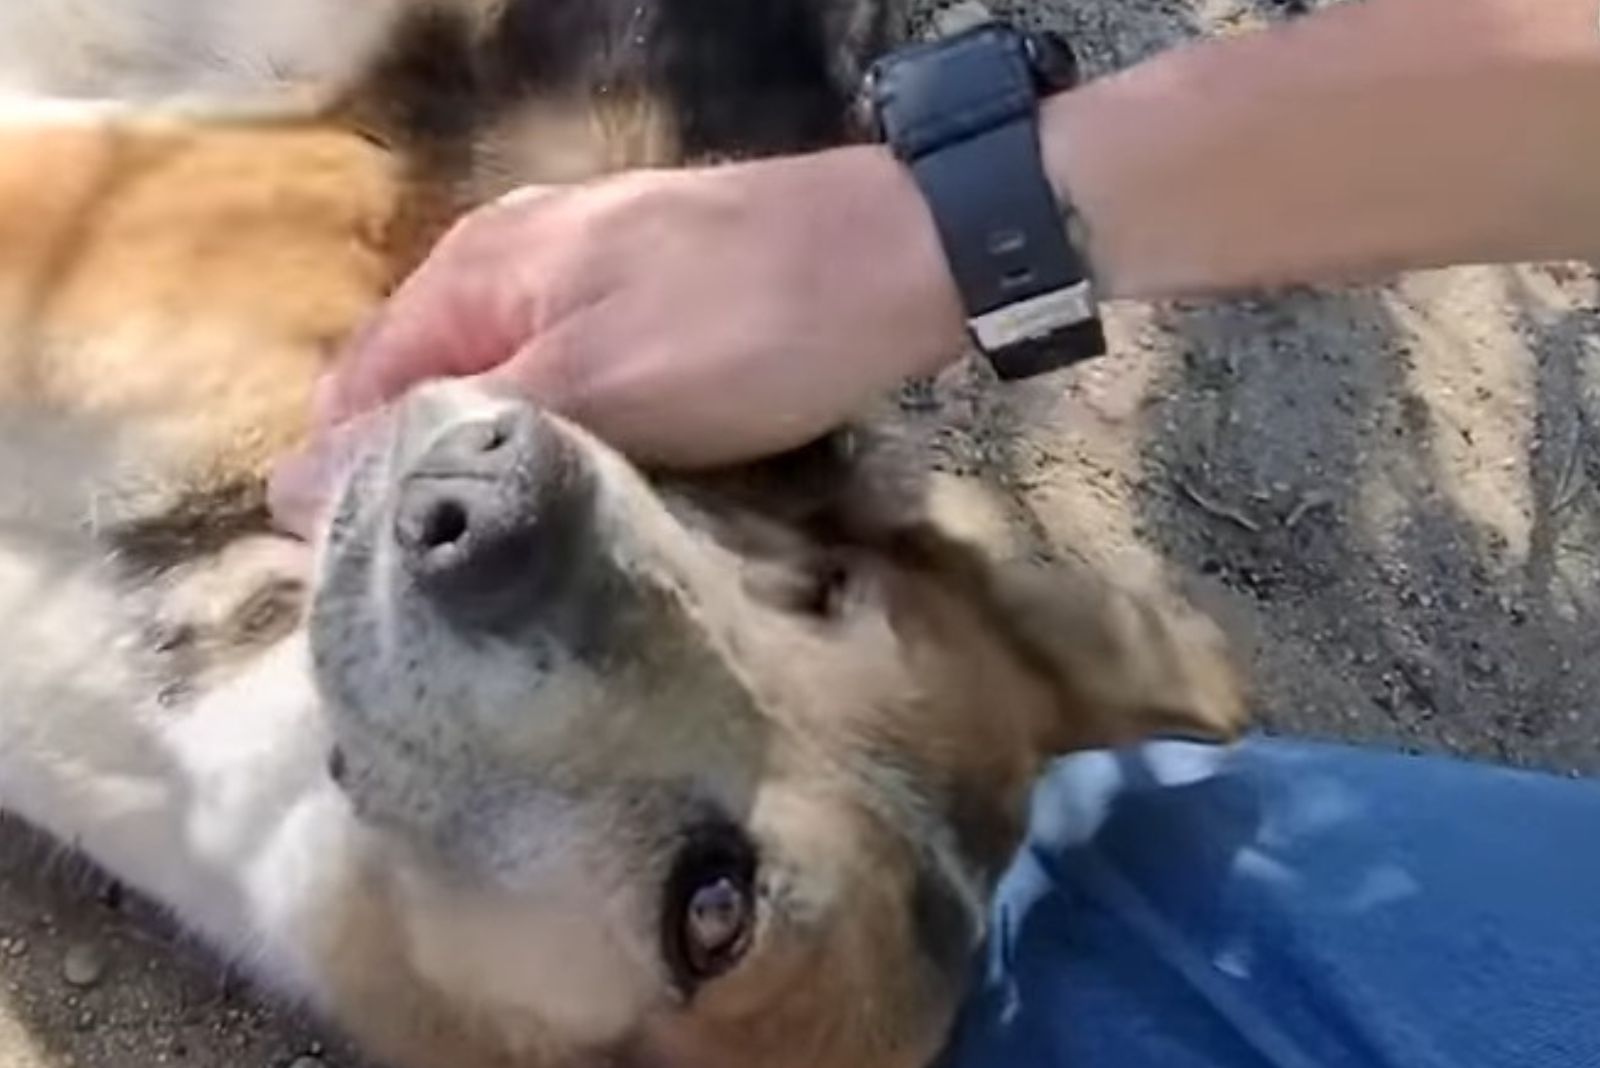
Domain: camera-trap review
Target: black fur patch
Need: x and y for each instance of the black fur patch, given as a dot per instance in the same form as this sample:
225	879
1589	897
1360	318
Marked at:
547	45
942	924
740	77
749	78
426	89
202	523
986	831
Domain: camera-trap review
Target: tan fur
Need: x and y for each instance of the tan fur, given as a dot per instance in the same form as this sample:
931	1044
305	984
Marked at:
192	278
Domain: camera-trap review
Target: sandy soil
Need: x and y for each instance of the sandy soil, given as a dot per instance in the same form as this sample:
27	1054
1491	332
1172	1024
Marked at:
1392	489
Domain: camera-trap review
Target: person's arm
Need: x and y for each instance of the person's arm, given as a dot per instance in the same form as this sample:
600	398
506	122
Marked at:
709	315
1376	136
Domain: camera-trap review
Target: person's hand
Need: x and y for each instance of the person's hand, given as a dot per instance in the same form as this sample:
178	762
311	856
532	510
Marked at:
689	317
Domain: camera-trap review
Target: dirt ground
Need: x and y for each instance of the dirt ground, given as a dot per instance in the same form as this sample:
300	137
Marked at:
1391	489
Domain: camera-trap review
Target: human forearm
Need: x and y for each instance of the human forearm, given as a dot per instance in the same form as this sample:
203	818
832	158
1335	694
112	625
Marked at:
1385	135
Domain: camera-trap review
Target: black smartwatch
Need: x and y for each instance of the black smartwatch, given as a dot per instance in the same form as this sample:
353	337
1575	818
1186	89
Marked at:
962	114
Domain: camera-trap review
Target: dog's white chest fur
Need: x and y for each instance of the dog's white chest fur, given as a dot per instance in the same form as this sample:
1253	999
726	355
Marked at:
217	806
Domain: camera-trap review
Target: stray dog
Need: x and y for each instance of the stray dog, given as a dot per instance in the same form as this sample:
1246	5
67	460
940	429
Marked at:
535	758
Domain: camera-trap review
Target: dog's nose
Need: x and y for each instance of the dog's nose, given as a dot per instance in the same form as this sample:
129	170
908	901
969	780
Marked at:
490	514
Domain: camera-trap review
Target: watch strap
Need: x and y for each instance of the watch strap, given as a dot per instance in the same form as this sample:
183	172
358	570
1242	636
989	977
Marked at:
962	114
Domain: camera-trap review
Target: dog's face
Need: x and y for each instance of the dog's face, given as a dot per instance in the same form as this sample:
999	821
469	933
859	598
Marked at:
679	775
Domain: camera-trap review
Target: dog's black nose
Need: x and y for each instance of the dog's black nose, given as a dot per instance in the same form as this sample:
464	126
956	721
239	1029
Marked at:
490	514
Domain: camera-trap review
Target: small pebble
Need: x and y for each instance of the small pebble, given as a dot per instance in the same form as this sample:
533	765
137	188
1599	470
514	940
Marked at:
84	965
18	947
308	1062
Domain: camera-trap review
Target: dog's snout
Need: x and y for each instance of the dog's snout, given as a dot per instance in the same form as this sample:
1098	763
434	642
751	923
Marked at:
479	446
487	516
442	516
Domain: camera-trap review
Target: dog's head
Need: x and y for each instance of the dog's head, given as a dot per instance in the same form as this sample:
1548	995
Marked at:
702	772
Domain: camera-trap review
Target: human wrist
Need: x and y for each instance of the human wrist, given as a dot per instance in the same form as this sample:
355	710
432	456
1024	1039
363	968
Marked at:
960	117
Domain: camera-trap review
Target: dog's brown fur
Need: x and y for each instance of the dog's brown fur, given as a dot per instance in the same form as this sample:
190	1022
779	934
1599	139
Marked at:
175	282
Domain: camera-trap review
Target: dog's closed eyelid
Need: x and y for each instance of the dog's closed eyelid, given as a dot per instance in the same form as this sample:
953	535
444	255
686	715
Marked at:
835	588
820	589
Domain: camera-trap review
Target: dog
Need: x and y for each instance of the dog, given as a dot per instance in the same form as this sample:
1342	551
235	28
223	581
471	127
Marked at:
534	758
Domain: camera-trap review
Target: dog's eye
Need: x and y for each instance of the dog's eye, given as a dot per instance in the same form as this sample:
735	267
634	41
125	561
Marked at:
820	588
336	765
815	588
710	908
831	582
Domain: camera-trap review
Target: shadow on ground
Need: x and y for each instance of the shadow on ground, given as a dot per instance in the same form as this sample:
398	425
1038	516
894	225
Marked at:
1395	487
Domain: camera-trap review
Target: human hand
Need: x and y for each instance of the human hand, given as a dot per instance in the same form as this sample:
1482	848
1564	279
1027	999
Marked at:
688	317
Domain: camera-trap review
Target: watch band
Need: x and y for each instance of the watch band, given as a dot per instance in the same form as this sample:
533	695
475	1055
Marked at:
962	114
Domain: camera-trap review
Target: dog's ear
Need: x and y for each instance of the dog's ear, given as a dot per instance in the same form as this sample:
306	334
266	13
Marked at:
1124	667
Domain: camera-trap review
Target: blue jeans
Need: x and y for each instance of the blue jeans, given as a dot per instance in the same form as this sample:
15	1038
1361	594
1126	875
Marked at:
1293	905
